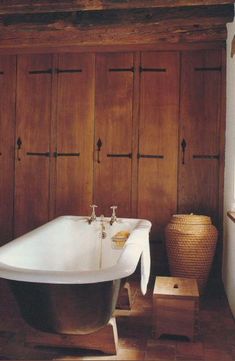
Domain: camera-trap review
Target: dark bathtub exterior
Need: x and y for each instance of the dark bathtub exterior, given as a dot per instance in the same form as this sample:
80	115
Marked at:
66	308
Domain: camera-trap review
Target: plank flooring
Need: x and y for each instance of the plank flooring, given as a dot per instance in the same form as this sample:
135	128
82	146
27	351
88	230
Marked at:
215	340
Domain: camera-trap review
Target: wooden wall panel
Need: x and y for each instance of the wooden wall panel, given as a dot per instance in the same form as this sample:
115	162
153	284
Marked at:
74	134
33	119
113	116
200	126
158	139
7	123
98	99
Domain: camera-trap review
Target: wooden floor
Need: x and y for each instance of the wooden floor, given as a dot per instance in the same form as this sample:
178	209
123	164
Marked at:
215	341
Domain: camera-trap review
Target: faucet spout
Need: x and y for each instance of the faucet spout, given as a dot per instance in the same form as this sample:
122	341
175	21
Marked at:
92	218
113	217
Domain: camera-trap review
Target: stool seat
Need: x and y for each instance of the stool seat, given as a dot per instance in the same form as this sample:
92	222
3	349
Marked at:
175	306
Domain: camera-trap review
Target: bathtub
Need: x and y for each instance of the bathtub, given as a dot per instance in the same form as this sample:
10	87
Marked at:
66	274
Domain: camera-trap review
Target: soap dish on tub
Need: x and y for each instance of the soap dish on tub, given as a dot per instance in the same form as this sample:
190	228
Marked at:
119	239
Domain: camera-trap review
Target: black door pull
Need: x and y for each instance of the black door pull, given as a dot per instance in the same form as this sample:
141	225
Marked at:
39	154
98	149
18	143
59	154
206	156
183	147
150	156
121	155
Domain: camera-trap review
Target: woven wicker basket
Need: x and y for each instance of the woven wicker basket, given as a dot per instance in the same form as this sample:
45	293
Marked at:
190	245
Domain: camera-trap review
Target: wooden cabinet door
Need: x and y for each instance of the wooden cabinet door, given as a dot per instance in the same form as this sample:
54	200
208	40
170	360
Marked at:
33	125
7	129
158	138
74	134
199	138
113	132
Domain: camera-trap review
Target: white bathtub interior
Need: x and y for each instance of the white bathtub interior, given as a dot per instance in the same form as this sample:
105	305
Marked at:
70	246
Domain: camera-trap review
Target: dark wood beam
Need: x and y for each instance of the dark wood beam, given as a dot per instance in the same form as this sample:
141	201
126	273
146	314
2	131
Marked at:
213	15
128	35
112	27
40	6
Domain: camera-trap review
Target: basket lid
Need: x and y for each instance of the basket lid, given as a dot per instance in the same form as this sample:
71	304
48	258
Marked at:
190	219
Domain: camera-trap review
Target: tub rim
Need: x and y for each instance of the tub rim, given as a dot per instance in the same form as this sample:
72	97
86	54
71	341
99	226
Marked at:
135	247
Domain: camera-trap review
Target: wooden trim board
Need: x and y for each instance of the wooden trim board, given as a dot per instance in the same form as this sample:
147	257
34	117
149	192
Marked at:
105	339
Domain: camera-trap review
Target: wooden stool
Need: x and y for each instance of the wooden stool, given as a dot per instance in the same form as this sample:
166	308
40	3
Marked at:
175	306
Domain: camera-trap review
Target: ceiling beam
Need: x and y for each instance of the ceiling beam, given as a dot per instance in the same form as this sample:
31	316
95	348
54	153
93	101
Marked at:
129	35
213	15
116	27
40	6
123	27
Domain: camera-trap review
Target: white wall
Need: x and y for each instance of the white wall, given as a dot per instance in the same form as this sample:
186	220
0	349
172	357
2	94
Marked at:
229	192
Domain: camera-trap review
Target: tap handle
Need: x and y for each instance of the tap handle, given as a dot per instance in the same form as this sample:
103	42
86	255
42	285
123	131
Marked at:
114	211
93	215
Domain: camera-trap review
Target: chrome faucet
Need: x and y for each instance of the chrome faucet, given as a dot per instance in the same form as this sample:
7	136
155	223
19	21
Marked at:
113	217
92	218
